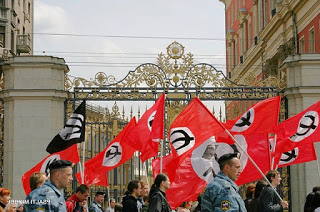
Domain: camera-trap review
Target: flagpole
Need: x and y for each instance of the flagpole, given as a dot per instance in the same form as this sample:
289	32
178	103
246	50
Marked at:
253	163
273	150
145	169
317	163
161	146
83	142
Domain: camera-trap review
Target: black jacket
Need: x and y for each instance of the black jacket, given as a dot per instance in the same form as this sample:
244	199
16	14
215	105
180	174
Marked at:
129	204
158	202
269	201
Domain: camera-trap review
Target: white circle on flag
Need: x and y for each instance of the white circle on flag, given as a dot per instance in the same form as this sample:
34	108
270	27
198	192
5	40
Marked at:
204	158
307	125
182	139
244	122
288	157
150	120
112	155
47	162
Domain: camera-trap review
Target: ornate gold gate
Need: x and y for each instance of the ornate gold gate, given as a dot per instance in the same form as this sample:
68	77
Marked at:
175	74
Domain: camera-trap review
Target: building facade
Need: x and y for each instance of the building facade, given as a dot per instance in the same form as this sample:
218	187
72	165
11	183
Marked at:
16	27
277	40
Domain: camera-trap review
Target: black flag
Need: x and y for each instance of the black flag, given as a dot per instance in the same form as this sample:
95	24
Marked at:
72	133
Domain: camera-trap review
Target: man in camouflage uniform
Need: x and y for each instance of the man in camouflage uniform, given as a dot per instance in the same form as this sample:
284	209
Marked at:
96	204
50	197
222	194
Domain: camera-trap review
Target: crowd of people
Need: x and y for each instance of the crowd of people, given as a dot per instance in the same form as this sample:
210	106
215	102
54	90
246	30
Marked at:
222	194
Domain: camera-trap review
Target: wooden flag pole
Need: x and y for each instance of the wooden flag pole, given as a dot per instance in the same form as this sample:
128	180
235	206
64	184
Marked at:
253	162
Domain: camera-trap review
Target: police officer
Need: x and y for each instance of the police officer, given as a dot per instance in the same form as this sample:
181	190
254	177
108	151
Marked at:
50	197
96	204
222	194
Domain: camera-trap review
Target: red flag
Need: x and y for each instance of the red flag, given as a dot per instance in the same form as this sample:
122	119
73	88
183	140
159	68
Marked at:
201	166
156	165
193	126
70	154
115	154
260	118
145	136
300	154
298	130
257	146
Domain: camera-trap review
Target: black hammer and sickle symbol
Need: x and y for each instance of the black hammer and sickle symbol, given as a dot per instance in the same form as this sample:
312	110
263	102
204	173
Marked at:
187	139
245	121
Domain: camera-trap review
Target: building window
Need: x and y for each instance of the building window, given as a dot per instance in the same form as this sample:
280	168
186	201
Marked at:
29	8
2	35
301	45
2	3
311	41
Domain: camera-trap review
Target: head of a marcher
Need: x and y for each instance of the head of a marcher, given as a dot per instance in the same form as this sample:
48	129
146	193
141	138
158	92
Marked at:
61	173
82	192
134	188
274	177
112	202
259	187
99	197
20	207
316	200
250	190
145	189
37	179
161	182
5	196
230	165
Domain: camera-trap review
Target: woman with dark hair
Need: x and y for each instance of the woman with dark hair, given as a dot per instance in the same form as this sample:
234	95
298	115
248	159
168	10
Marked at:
4	198
157	198
254	204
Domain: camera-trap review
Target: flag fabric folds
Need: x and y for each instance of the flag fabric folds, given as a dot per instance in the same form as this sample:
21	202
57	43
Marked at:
115	154
298	130
73	132
300	154
145	136
193	126
200	166
70	154
258	148
260	118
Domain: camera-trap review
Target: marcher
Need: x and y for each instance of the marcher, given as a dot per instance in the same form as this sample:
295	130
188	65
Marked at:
144	193
254	204
96	204
157	197
49	197
20	207
222	194
81	194
185	207
37	179
316	201
198	207
249	194
111	206
269	201
129	202
4	198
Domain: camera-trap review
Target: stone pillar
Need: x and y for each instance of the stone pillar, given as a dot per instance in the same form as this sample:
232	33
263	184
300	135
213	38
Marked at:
33	98
303	90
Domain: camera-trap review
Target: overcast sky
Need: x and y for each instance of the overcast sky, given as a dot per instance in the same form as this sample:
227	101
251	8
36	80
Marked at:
95	20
